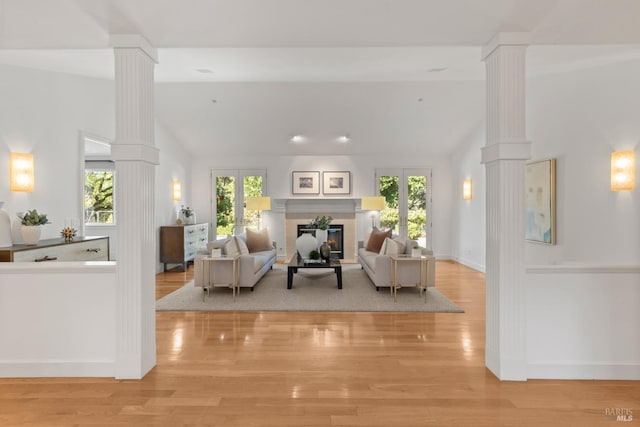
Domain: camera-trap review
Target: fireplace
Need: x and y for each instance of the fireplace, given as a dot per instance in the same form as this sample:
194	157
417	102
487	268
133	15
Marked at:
335	238
300	212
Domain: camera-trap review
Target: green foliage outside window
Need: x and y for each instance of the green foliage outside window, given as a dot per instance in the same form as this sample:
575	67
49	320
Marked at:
416	200
225	198
98	197
252	188
224	205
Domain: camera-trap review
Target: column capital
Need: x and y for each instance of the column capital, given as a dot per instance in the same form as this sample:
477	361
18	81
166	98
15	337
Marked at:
134	41
506	151
135	152
505	39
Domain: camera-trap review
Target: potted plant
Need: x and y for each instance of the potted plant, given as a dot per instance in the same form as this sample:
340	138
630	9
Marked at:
31	222
216	252
188	214
321	224
416	252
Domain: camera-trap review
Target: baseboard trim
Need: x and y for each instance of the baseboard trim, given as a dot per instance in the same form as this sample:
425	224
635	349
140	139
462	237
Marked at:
586	371
57	369
471	264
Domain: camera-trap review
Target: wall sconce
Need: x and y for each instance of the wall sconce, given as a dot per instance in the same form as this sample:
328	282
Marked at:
623	170
466	189
177	190
21	173
373	203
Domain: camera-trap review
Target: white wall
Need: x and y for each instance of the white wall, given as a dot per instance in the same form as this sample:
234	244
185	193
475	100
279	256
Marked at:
579	118
468	217
175	163
582	317
42	113
362	168
580	293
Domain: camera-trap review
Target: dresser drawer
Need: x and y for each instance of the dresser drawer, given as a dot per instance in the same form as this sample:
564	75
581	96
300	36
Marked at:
180	243
87	250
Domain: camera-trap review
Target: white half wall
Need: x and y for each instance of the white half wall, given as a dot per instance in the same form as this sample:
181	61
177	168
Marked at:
57	319
582	322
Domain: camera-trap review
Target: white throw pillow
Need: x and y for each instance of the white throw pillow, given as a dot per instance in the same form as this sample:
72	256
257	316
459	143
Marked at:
383	248
402	244
242	246
231	248
390	247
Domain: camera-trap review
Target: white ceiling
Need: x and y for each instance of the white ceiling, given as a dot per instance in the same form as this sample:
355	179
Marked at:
409	42
309	23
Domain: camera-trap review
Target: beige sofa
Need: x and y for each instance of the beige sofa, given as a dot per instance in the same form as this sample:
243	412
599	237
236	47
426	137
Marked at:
253	265
378	267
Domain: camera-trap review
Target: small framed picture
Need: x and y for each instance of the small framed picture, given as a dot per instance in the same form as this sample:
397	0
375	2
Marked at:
305	182
338	182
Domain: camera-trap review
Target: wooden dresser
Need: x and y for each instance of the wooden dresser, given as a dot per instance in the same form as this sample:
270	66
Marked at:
180	243
86	248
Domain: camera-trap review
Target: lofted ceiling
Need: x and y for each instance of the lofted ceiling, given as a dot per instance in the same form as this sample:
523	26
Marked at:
311	65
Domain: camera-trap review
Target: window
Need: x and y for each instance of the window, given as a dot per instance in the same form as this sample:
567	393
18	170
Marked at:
232	187
407	194
99	180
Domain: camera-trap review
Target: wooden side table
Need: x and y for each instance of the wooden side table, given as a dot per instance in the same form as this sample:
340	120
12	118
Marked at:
405	259
233	284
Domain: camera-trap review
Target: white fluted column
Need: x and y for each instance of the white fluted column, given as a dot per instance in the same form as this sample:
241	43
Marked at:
504	157
135	157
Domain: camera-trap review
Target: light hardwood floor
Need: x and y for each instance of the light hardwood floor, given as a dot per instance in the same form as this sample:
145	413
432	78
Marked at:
319	369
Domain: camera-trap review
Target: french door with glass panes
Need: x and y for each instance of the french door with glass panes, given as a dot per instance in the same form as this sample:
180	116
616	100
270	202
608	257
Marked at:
407	194
231	188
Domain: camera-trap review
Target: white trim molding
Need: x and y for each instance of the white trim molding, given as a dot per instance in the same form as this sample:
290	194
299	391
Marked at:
134	41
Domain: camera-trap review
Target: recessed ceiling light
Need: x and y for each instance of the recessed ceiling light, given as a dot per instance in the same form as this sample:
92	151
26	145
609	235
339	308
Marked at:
204	70
344	138
297	138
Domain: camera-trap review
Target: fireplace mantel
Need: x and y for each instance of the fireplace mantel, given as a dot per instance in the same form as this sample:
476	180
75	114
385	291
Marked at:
316	205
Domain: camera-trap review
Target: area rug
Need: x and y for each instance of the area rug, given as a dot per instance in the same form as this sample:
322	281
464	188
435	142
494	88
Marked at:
313	290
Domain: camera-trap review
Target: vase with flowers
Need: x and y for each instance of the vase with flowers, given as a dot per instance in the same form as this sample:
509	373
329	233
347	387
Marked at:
188	215
321	224
31	226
